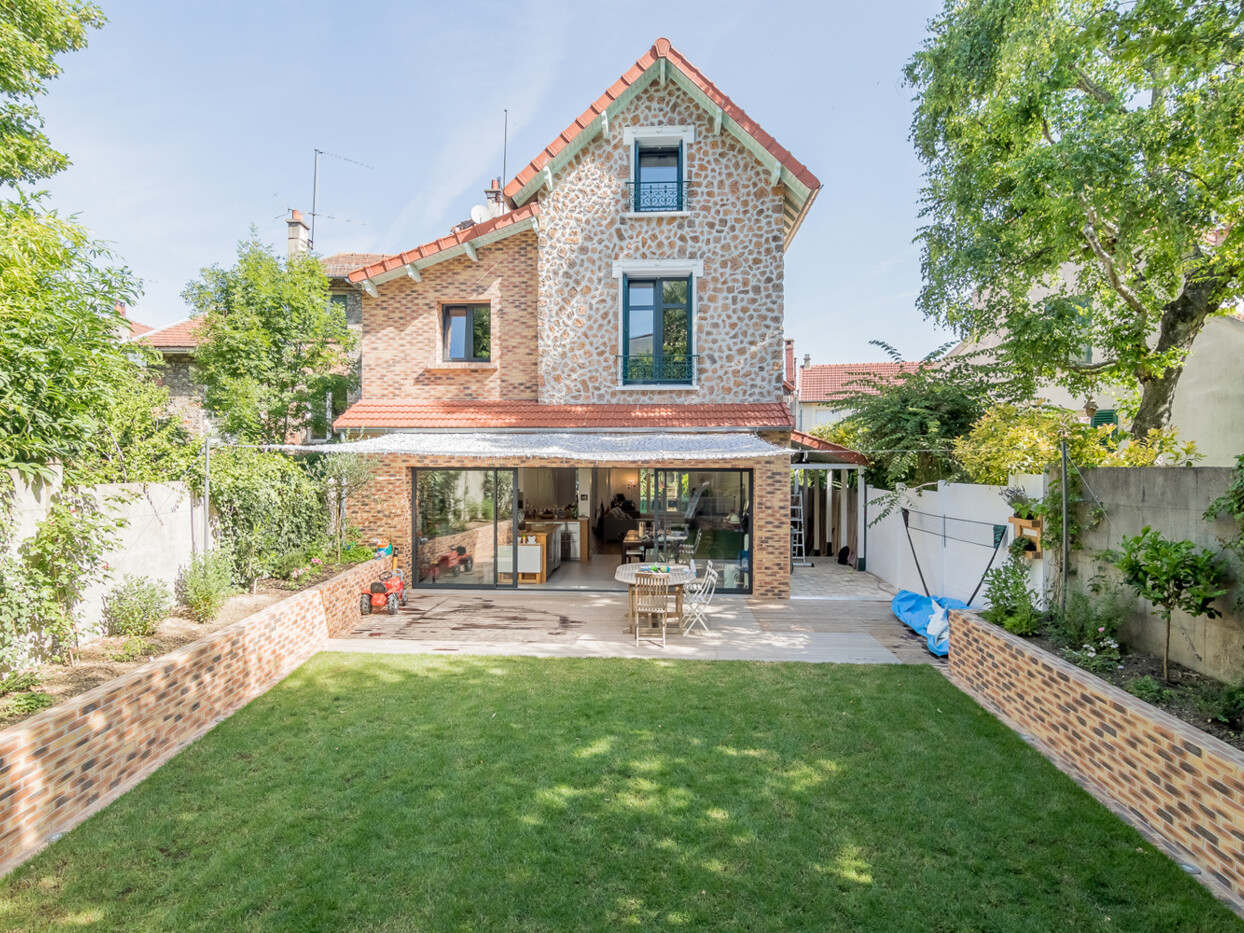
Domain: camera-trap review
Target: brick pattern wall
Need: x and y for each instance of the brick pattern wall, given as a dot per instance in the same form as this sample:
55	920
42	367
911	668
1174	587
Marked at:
402	330
60	766
384	510
1188	787
733	223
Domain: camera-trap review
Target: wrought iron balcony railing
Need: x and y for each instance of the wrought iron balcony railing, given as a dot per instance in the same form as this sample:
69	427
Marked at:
658	195
669	370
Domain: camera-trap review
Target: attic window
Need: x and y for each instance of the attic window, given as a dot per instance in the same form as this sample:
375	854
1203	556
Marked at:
659	174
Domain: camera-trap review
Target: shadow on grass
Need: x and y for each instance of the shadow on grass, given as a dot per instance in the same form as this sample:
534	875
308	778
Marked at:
422	793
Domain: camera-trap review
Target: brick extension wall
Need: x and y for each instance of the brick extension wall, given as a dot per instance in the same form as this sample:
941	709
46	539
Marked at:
384	510
1184	785
61	765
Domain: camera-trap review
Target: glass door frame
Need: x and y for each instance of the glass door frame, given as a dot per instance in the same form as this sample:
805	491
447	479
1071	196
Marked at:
415	582
661	520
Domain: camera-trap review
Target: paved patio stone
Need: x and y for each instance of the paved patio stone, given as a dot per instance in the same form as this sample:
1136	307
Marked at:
593	625
828	579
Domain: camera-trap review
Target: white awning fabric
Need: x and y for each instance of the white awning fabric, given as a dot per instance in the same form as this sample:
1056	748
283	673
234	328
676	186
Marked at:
590	448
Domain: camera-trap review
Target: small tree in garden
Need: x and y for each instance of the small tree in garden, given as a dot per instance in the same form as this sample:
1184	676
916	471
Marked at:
1171	575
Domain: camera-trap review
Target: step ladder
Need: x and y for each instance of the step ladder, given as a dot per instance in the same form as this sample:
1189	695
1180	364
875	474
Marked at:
798	549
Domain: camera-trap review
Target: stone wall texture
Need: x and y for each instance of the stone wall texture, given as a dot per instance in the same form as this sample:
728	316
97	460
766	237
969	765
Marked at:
385	508
402	336
1183	785
65	763
733	224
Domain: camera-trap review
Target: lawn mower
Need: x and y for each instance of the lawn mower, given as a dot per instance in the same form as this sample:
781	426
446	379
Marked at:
387	592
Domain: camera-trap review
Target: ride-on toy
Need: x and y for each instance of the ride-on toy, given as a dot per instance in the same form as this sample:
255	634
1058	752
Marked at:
387	592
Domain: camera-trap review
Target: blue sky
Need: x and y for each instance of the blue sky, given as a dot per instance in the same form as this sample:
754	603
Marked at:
188	122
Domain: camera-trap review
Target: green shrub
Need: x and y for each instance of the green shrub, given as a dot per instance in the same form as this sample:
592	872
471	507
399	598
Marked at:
136	606
206	582
1224	703
1149	689
24	703
1089	616
1012	604
357	553
16	681
134	649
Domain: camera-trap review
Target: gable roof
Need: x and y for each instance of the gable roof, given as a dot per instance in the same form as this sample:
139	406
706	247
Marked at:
179	335
137	329
664	62
473	415
458	243
829	382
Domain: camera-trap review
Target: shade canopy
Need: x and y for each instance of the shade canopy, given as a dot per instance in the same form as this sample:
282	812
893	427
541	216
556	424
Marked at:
590	448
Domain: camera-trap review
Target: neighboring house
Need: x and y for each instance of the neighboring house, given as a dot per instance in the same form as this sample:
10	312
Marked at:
177	342
823	385
1209	400
610	331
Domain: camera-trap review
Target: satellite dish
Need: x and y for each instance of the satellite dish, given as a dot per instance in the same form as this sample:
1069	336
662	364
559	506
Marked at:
479	213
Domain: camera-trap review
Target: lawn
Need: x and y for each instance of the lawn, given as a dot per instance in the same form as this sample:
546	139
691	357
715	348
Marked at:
430	793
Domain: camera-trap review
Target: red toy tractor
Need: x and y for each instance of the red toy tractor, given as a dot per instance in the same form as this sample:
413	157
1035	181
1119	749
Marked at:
387	592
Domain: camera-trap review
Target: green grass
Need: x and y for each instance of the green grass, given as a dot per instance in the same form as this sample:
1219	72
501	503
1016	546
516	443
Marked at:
412	793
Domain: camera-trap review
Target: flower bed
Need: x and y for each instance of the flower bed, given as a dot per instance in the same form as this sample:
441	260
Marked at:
1186	786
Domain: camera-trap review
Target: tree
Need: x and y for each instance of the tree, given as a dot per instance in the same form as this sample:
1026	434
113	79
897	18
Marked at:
1011	439
271	344
907	423
1087	152
59	353
1171	575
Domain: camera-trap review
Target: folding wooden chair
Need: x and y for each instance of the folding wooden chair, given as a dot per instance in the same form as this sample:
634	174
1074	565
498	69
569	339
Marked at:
652	602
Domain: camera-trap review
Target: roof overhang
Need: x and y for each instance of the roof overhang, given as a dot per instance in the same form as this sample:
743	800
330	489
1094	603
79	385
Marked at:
805	448
656	448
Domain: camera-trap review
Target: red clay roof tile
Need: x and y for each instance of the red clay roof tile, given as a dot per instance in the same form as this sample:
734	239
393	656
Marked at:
181	334
390	263
339	265
830	382
502	415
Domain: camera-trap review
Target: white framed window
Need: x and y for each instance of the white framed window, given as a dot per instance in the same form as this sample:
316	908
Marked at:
659	179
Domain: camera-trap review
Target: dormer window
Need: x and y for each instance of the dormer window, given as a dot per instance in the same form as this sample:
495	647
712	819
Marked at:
659	177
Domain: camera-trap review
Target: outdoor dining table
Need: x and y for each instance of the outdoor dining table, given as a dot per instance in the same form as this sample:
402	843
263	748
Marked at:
680	575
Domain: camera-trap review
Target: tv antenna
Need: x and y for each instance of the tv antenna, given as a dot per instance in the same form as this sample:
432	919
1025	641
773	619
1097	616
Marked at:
505	145
315	187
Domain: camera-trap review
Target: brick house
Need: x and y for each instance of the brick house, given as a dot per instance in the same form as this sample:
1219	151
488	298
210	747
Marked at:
599	356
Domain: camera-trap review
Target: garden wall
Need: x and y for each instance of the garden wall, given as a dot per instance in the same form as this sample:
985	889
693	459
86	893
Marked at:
1185	786
951	530
156	541
61	765
1172	501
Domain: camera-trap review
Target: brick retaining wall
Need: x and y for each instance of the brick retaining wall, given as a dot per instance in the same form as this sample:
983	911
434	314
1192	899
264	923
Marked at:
63	764
1186	786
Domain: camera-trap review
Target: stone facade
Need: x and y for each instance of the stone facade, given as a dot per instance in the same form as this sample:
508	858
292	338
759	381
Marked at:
63	764
402	342
185	396
733	225
1177	783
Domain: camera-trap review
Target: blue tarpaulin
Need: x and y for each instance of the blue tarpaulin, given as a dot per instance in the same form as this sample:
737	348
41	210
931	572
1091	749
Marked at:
917	611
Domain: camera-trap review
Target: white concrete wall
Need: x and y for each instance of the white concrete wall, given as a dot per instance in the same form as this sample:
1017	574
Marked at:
952	534
162	530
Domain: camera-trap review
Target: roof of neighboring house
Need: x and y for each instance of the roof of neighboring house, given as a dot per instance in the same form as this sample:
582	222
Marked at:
499	227
708	95
137	329
340	265
799	439
519	416
179	335
828	382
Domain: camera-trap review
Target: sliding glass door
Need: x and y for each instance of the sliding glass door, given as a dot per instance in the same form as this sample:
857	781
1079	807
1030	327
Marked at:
702	515
464	528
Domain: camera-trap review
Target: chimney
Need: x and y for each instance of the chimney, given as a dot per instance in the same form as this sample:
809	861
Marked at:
298	230
807	360
119	307
790	360
496	203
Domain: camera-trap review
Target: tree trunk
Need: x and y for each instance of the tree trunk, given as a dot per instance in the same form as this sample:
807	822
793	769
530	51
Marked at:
1182	320
1166	652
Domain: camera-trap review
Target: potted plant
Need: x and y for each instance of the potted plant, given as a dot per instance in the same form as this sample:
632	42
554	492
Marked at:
1021	505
